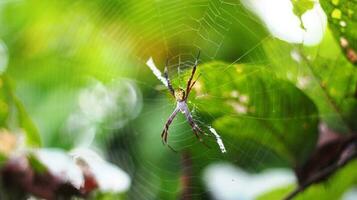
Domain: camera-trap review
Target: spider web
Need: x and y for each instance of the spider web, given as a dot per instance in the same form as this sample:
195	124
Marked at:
182	35
177	36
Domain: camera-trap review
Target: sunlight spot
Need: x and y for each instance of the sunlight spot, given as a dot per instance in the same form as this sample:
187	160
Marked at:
343	42
343	23
96	101
239	108
295	55
285	25
105	106
336	13
335	2
244	98
235	94
239	69
303	81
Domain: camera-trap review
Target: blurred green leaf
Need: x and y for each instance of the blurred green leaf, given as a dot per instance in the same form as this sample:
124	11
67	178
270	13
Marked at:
343	23
349	110
107	196
36	164
12	107
32	134
321	72
300	7
4	100
249	103
3	159
278	193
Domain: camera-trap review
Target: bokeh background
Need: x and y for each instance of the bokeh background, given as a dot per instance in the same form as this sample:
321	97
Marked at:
274	75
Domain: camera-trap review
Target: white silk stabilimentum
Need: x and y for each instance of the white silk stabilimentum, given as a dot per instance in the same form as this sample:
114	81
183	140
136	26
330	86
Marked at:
218	139
150	63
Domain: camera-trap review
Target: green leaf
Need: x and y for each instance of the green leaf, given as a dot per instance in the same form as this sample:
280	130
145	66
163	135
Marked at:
3	159
107	195
248	103
32	134
321	72
349	110
342	20
300	7
36	165
9	102
4	99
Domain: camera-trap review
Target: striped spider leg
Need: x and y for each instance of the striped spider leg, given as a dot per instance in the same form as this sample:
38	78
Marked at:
181	97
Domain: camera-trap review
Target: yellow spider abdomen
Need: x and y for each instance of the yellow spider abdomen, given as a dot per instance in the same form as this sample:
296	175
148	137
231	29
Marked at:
180	94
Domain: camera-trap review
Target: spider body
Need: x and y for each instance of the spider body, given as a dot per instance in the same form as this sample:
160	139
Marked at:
182	107
181	96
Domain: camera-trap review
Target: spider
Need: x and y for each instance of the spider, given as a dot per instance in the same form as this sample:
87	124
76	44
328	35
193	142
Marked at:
181	97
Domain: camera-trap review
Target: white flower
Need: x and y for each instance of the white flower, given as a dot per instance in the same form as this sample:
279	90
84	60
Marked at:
109	177
350	194
227	182
60	164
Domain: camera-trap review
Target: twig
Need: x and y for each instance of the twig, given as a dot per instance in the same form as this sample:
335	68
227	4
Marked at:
186	176
325	173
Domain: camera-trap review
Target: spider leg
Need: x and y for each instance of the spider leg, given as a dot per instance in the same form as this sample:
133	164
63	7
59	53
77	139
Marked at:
195	128
172	149
192	74
165	132
166	76
189	90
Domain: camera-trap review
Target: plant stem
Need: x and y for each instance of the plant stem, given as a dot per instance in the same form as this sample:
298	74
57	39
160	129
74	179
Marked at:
351	151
